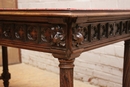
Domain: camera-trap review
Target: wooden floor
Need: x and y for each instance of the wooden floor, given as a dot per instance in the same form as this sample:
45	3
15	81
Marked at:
23	75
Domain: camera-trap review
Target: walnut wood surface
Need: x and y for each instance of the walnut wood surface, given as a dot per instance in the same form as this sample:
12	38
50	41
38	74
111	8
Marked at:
126	74
57	31
66	73
65	33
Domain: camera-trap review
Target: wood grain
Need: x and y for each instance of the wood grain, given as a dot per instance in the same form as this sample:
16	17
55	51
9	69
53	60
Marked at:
66	34
126	70
66	73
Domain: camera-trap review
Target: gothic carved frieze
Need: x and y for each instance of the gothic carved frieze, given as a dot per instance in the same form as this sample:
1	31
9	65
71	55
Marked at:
35	33
91	32
55	34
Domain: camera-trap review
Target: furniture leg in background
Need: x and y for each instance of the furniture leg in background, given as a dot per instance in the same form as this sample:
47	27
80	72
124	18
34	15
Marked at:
126	74
5	75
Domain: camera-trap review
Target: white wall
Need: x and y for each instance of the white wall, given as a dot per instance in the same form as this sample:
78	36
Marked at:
102	4
102	66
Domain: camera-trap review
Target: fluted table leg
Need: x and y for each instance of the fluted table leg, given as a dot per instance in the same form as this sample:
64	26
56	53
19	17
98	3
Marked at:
5	75
66	73
126	73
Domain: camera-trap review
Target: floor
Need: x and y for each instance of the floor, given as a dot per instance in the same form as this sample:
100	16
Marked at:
23	75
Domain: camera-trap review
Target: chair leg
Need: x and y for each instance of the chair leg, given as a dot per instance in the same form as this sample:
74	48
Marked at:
5	75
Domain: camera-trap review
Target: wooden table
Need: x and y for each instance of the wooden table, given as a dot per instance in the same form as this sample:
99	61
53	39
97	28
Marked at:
65	33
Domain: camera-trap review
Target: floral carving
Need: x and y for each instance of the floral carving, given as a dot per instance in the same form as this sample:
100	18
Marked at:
20	32
45	34
7	30
32	33
78	37
54	35
58	36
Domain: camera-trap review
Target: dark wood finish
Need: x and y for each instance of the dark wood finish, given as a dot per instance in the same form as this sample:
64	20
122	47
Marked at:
66	73
5	75
65	33
126	74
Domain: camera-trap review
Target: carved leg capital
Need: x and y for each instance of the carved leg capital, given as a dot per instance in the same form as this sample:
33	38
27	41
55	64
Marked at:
66	72
66	63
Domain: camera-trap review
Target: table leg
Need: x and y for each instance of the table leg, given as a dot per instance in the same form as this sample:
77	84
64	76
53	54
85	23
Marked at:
126	70
66	72
5	74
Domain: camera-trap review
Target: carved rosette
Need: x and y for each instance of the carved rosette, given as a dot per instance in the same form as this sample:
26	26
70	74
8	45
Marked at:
58	36
45	35
7	30
32	32
20	32
54	35
91	32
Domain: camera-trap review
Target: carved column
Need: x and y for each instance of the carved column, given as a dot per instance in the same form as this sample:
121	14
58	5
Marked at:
66	72
5	74
126	74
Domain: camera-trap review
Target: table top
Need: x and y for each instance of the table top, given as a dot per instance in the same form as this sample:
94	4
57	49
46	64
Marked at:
66	12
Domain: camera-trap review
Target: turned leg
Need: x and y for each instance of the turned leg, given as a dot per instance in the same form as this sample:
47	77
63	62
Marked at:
5	74
66	73
126	73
